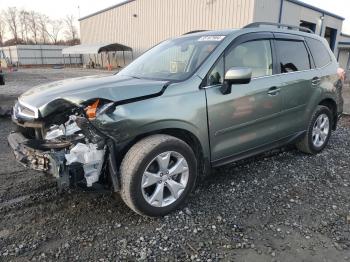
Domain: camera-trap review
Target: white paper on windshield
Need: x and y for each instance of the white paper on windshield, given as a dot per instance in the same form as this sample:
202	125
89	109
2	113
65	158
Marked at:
211	38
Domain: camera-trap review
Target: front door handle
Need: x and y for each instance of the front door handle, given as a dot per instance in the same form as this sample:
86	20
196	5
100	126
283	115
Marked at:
315	81
273	91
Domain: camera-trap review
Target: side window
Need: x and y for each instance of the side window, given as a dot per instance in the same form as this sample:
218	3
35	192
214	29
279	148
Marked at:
319	52
216	74
254	54
293	56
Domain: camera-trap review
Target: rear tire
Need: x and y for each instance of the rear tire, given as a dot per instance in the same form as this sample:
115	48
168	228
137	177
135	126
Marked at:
318	132
157	174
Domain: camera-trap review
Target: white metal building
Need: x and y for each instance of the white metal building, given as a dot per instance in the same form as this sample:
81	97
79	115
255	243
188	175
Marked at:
141	24
24	55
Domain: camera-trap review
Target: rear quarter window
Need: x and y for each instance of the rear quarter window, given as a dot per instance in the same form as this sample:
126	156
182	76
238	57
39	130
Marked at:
319	52
292	55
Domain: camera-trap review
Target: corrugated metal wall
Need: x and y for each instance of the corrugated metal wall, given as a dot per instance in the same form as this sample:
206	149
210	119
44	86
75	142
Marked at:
38	55
141	24
344	56
266	11
293	13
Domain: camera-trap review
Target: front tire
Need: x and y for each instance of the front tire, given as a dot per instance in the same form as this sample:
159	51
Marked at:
157	174
318	132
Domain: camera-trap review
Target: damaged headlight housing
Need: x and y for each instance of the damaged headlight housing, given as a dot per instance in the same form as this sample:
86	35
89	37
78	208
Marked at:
66	129
86	146
97	108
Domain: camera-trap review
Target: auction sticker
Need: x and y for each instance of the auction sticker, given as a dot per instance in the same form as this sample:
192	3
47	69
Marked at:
211	38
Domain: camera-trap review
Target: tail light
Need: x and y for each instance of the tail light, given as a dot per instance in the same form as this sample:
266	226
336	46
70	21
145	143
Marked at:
341	73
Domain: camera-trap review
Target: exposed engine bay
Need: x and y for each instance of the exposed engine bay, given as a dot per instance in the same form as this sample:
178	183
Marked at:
68	128
67	146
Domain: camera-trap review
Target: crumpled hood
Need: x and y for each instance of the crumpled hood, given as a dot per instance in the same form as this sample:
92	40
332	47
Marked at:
78	90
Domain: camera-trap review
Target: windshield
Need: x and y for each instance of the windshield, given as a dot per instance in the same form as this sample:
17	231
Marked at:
175	59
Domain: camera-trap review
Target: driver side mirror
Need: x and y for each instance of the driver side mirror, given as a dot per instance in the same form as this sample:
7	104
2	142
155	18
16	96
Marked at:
235	75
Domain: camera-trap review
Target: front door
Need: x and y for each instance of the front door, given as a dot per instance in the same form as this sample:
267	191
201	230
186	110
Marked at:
248	117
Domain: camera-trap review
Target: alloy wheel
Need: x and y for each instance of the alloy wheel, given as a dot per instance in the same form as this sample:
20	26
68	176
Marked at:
165	179
320	130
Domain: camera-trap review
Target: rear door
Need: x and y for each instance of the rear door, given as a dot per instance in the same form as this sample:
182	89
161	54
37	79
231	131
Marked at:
247	118
325	73
296	76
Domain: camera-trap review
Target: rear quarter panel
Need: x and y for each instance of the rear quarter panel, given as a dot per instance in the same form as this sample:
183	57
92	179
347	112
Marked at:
325	90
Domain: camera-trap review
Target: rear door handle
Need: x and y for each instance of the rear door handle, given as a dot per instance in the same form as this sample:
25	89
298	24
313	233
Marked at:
273	91
315	81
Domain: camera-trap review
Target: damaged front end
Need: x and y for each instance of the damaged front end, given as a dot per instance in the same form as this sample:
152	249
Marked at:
66	145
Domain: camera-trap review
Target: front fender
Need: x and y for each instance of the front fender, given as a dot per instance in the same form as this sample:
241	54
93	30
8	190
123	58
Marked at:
186	111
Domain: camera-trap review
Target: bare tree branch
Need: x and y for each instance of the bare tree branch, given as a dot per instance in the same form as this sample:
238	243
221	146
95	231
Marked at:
11	17
43	20
2	29
24	27
54	28
71	31
33	25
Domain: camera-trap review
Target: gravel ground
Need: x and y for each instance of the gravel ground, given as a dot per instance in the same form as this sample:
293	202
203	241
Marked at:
279	206
19	81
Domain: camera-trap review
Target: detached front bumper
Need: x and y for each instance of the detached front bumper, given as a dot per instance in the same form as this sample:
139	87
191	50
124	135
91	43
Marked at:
31	157
53	162
74	152
48	161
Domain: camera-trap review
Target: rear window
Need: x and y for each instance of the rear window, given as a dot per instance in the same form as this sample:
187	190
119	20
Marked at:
319	52
293	56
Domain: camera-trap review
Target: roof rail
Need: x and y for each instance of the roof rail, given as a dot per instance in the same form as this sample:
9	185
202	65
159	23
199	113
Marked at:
291	27
194	31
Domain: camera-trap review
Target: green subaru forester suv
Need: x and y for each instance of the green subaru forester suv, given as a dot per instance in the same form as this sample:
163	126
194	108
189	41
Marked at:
190	103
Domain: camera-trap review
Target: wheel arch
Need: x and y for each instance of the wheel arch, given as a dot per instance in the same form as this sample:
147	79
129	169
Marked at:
185	135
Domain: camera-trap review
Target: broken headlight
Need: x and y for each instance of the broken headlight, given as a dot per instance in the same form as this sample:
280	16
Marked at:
67	129
97	108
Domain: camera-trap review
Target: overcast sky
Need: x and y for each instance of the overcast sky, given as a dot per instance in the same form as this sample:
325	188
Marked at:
60	8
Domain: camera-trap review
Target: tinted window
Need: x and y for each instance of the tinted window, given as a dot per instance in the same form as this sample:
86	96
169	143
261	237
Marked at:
319	52
254	54
293	56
